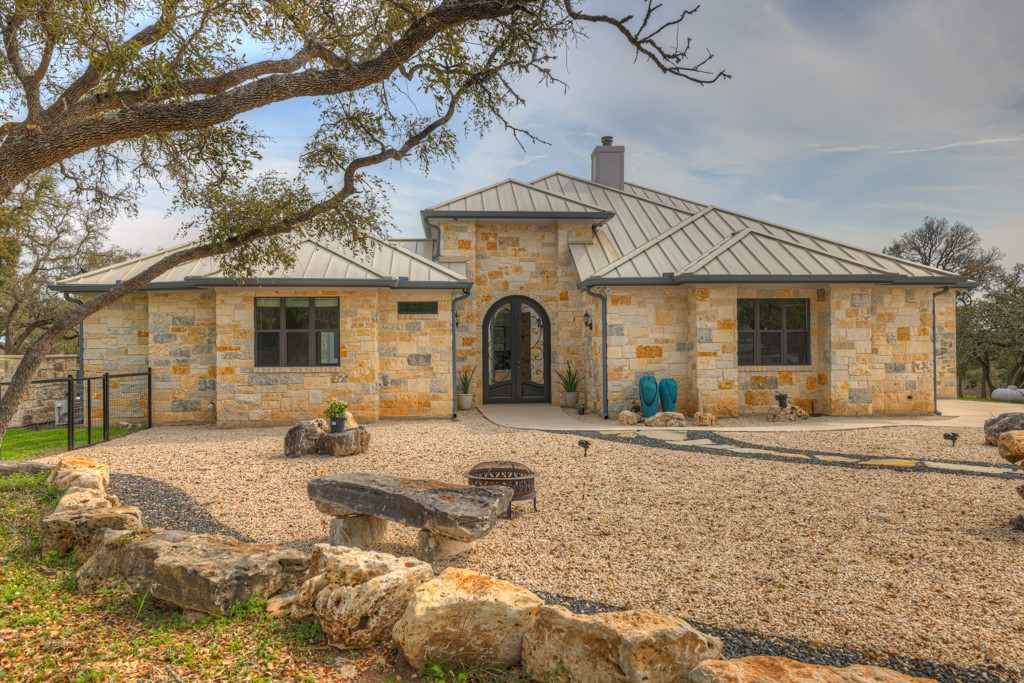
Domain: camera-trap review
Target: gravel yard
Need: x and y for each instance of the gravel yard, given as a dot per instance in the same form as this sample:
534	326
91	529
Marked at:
923	443
918	564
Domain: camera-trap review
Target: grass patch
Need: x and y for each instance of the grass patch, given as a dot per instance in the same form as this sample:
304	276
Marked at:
23	442
48	631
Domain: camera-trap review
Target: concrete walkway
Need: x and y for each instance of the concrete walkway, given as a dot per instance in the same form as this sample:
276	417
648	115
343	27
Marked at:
551	418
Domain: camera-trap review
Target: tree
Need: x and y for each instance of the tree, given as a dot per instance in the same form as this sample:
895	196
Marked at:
956	247
50	236
116	93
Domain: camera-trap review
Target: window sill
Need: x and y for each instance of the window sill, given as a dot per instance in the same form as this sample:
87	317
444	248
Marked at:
302	370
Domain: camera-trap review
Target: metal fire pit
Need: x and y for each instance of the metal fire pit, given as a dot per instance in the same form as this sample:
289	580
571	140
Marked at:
515	475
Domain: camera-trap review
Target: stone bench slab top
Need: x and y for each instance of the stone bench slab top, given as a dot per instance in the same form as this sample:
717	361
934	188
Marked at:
461	513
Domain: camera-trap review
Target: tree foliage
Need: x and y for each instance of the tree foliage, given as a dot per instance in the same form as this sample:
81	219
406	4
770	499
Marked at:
116	94
47	235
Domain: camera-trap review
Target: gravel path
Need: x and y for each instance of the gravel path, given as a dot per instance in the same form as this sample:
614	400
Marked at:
885	561
922	443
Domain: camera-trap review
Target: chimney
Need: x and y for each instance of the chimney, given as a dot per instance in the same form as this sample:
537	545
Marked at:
607	164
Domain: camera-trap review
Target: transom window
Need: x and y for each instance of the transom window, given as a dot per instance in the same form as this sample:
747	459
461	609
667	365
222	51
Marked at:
773	331
296	331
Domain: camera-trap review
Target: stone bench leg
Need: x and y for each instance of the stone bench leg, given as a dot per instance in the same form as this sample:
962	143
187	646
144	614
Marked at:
358	531
435	548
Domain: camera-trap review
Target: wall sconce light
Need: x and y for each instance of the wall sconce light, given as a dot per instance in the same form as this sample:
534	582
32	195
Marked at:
587	321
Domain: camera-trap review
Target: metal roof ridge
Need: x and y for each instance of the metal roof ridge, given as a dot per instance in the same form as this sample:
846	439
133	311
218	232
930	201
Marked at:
715	251
668	194
621	192
626	258
837	242
142	257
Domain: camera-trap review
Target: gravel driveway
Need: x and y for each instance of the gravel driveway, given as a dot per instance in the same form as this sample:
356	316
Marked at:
913	563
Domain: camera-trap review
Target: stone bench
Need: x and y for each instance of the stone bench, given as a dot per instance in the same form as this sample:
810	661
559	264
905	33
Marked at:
450	517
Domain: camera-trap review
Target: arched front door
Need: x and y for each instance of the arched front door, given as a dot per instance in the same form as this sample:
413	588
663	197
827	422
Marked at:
517	352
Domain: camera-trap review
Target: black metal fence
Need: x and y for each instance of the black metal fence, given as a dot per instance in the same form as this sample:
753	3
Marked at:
74	412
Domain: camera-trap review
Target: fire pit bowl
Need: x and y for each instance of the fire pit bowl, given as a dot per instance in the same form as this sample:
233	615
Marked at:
515	475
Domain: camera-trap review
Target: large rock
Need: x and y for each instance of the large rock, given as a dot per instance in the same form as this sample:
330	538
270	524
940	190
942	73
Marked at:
666	419
704	420
76	498
82	530
628	417
301	439
790	413
764	669
1011	446
1007	422
343	444
636	646
466	618
72	471
198	572
8	467
462	513
357	595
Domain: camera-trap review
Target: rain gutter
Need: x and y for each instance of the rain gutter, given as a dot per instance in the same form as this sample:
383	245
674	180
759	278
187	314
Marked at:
455	379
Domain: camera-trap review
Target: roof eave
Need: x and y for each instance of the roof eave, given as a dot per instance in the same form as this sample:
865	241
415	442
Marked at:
880	279
88	288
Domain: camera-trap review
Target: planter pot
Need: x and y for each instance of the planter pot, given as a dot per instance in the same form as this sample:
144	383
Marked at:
465	401
783	402
571	398
580	408
337	425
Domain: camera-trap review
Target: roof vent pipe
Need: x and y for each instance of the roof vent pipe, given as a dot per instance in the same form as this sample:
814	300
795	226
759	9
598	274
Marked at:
607	164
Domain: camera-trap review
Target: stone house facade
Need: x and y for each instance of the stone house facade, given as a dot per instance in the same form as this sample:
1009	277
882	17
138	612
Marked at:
516	281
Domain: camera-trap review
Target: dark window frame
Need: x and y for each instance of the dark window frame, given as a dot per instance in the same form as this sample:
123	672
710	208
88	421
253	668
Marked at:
784	331
416	304
282	331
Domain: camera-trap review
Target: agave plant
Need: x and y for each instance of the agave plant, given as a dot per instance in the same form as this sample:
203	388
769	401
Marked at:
570	379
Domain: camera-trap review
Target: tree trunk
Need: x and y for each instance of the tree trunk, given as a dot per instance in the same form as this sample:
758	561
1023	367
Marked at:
986	379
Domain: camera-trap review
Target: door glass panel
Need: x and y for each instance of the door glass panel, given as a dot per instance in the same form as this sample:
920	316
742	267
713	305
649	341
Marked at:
531	350
500	339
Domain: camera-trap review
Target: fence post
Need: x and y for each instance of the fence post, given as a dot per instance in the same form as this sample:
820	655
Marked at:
88	409
149	397
106	406
71	412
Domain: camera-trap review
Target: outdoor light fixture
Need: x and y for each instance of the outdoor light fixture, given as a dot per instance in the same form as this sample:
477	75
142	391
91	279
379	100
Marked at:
586	321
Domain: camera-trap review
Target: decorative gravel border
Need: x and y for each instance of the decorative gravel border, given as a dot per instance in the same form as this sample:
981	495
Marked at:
641	439
167	506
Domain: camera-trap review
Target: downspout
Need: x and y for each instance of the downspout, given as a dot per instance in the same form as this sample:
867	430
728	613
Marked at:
604	347
455	378
81	336
935	351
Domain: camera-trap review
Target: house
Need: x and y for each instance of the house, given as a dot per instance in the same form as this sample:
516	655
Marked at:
519	279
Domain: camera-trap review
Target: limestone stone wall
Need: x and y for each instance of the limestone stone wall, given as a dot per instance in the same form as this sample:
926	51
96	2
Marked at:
415	355
946	316
117	337
38	407
716	376
649	334
182	337
247	394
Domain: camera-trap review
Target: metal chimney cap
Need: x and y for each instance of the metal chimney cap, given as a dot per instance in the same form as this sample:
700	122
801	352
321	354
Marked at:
606	140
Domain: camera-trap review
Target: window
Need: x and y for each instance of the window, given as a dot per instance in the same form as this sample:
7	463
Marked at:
773	331
296	331
417	307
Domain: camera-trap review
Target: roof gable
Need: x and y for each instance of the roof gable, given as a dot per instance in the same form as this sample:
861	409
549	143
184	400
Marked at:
510	197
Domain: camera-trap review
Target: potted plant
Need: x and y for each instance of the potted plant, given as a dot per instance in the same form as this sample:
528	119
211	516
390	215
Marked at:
782	399
337	413
570	381
580	408
465	382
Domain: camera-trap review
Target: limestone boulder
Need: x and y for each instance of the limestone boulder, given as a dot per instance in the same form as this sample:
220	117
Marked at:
8	467
199	572
635	646
790	413
466	618
666	419
704	420
344	444
72	471
1011	446
764	669
628	417
462	513
1007	422
357	595
301	439
82	530
1020	490
76	498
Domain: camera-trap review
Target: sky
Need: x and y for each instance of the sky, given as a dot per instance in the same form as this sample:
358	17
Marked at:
853	120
